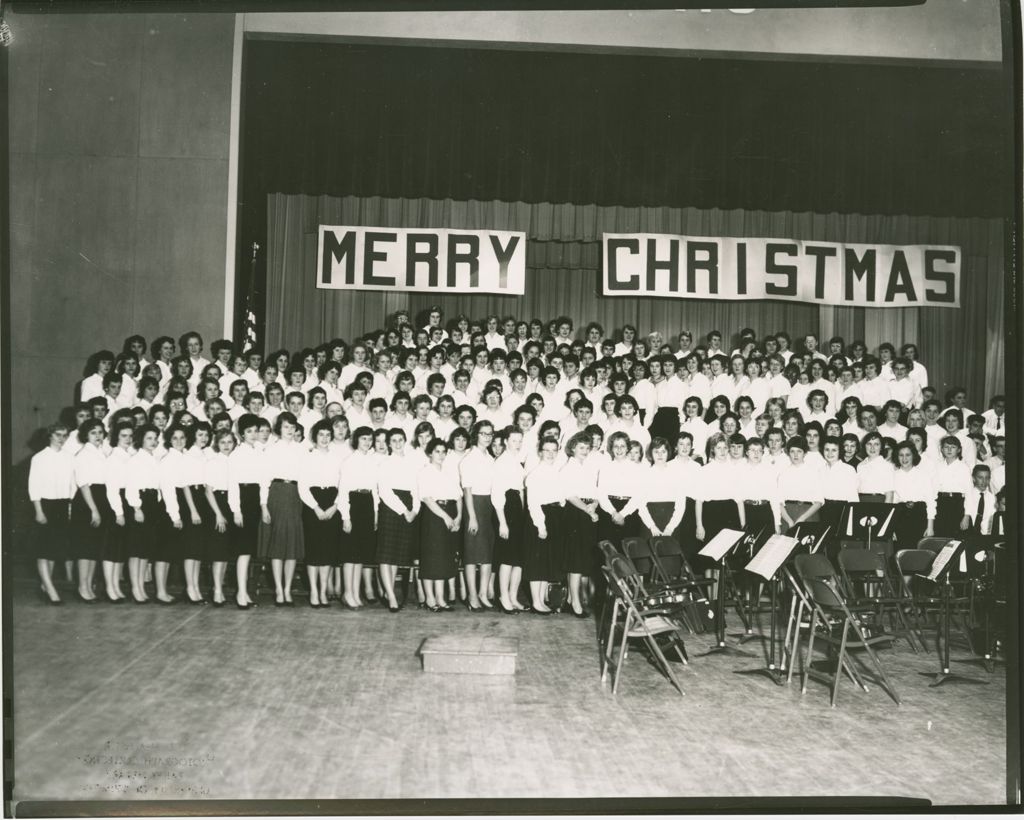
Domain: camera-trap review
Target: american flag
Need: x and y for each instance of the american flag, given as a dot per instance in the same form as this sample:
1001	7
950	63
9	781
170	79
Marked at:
249	328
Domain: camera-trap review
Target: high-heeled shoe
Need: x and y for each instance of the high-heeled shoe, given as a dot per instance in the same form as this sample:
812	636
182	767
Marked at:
486	604
112	600
85	600
505	611
218	604
393	608
48	600
472	608
243	606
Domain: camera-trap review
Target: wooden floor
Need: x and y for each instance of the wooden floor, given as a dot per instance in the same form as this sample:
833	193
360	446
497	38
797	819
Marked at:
183	702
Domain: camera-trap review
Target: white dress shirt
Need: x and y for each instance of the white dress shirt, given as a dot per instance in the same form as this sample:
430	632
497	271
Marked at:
800	483
915	484
507	474
623	479
245	465
439	484
51	475
543	486
359	472
142	473
874	475
839	482
476	472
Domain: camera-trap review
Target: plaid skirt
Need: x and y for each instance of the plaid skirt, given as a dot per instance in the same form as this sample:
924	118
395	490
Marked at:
360	545
397	543
282	538
322	538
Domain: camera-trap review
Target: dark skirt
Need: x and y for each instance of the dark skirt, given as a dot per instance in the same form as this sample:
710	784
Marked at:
666	426
438	544
88	543
580	540
543	558
479	548
608	530
175	542
145	540
245	538
797	508
51	540
396	537
116	549
661	512
194	545
910	524
717	515
949	512
759	516
282	539
360	545
321	537
217	546
509	551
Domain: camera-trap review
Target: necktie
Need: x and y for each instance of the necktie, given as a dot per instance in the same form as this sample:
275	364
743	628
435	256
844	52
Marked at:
999	422
981	511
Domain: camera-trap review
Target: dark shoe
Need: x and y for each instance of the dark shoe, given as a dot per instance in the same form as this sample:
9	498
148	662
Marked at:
289	603
434	608
217	604
137	601
278	603
393	608
243	606
544	612
472	608
584	615
505	611
487	605
86	600
171	602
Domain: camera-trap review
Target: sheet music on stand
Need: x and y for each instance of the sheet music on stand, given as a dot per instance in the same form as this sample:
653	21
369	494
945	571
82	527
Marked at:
942	559
717	547
772	556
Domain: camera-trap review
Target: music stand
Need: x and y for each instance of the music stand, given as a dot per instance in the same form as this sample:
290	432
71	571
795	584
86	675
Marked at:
745	550
768	564
868	520
942	568
718	549
981	552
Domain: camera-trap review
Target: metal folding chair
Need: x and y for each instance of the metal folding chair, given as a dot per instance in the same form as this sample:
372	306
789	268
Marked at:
870	587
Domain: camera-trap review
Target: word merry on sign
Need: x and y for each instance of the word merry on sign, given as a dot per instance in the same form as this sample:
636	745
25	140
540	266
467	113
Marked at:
442	260
829	273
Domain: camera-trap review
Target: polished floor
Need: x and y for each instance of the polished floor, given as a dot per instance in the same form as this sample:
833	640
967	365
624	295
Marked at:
183	702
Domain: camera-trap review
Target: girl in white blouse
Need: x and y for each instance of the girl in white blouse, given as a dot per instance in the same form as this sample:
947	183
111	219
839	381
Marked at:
718	505
441	494
952	480
914	493
874	473
579	478
319	481
398	490
693	424
357	501
663	501
117	537
180	511
216	511
90	513
281	537
475	474
142	492
618	497
544	543
507	499
245	465
196	456
51	483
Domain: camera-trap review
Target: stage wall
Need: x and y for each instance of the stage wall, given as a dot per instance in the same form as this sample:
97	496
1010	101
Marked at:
959	346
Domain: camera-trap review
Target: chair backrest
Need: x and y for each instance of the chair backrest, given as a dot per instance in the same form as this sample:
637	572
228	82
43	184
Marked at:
914	561
608	550
671	560
814	565
862	561
932	544
638	550
823	594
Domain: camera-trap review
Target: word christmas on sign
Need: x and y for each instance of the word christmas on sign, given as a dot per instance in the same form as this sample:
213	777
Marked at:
829	273
440	260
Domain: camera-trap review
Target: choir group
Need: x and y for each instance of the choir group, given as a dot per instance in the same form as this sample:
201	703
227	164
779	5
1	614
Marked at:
479	456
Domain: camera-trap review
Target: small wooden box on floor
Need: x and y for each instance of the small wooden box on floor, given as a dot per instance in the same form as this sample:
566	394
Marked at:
470	655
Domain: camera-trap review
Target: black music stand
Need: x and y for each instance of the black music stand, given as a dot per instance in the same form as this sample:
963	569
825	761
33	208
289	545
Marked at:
868	520
982	552
721	647
942	568
745	550
780	548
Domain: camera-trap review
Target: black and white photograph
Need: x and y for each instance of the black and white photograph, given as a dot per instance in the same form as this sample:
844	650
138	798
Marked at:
446	408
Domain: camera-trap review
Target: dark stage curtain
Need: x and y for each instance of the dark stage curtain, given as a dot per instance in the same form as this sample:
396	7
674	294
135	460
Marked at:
959	346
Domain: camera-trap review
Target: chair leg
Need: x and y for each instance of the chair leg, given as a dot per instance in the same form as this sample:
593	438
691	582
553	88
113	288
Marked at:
794	650
609	645
652	643
839	663
622	653
878	664
810	651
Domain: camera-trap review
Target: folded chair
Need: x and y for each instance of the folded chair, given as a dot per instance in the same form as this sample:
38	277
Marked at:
673	568
833	622
869	584
924	595
632	621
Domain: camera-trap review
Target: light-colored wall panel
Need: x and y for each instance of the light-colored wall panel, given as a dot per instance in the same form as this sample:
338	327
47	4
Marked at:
186	78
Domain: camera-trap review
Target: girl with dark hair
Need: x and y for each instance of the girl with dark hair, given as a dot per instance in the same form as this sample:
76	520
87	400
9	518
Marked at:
142	492
476	474
116	550
579	478
618	486
875	472
914	495
195	546
544	540
318	487
91	515
441	494
245	466
952	480
357	501
398	491
507	486
218	526
180	512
